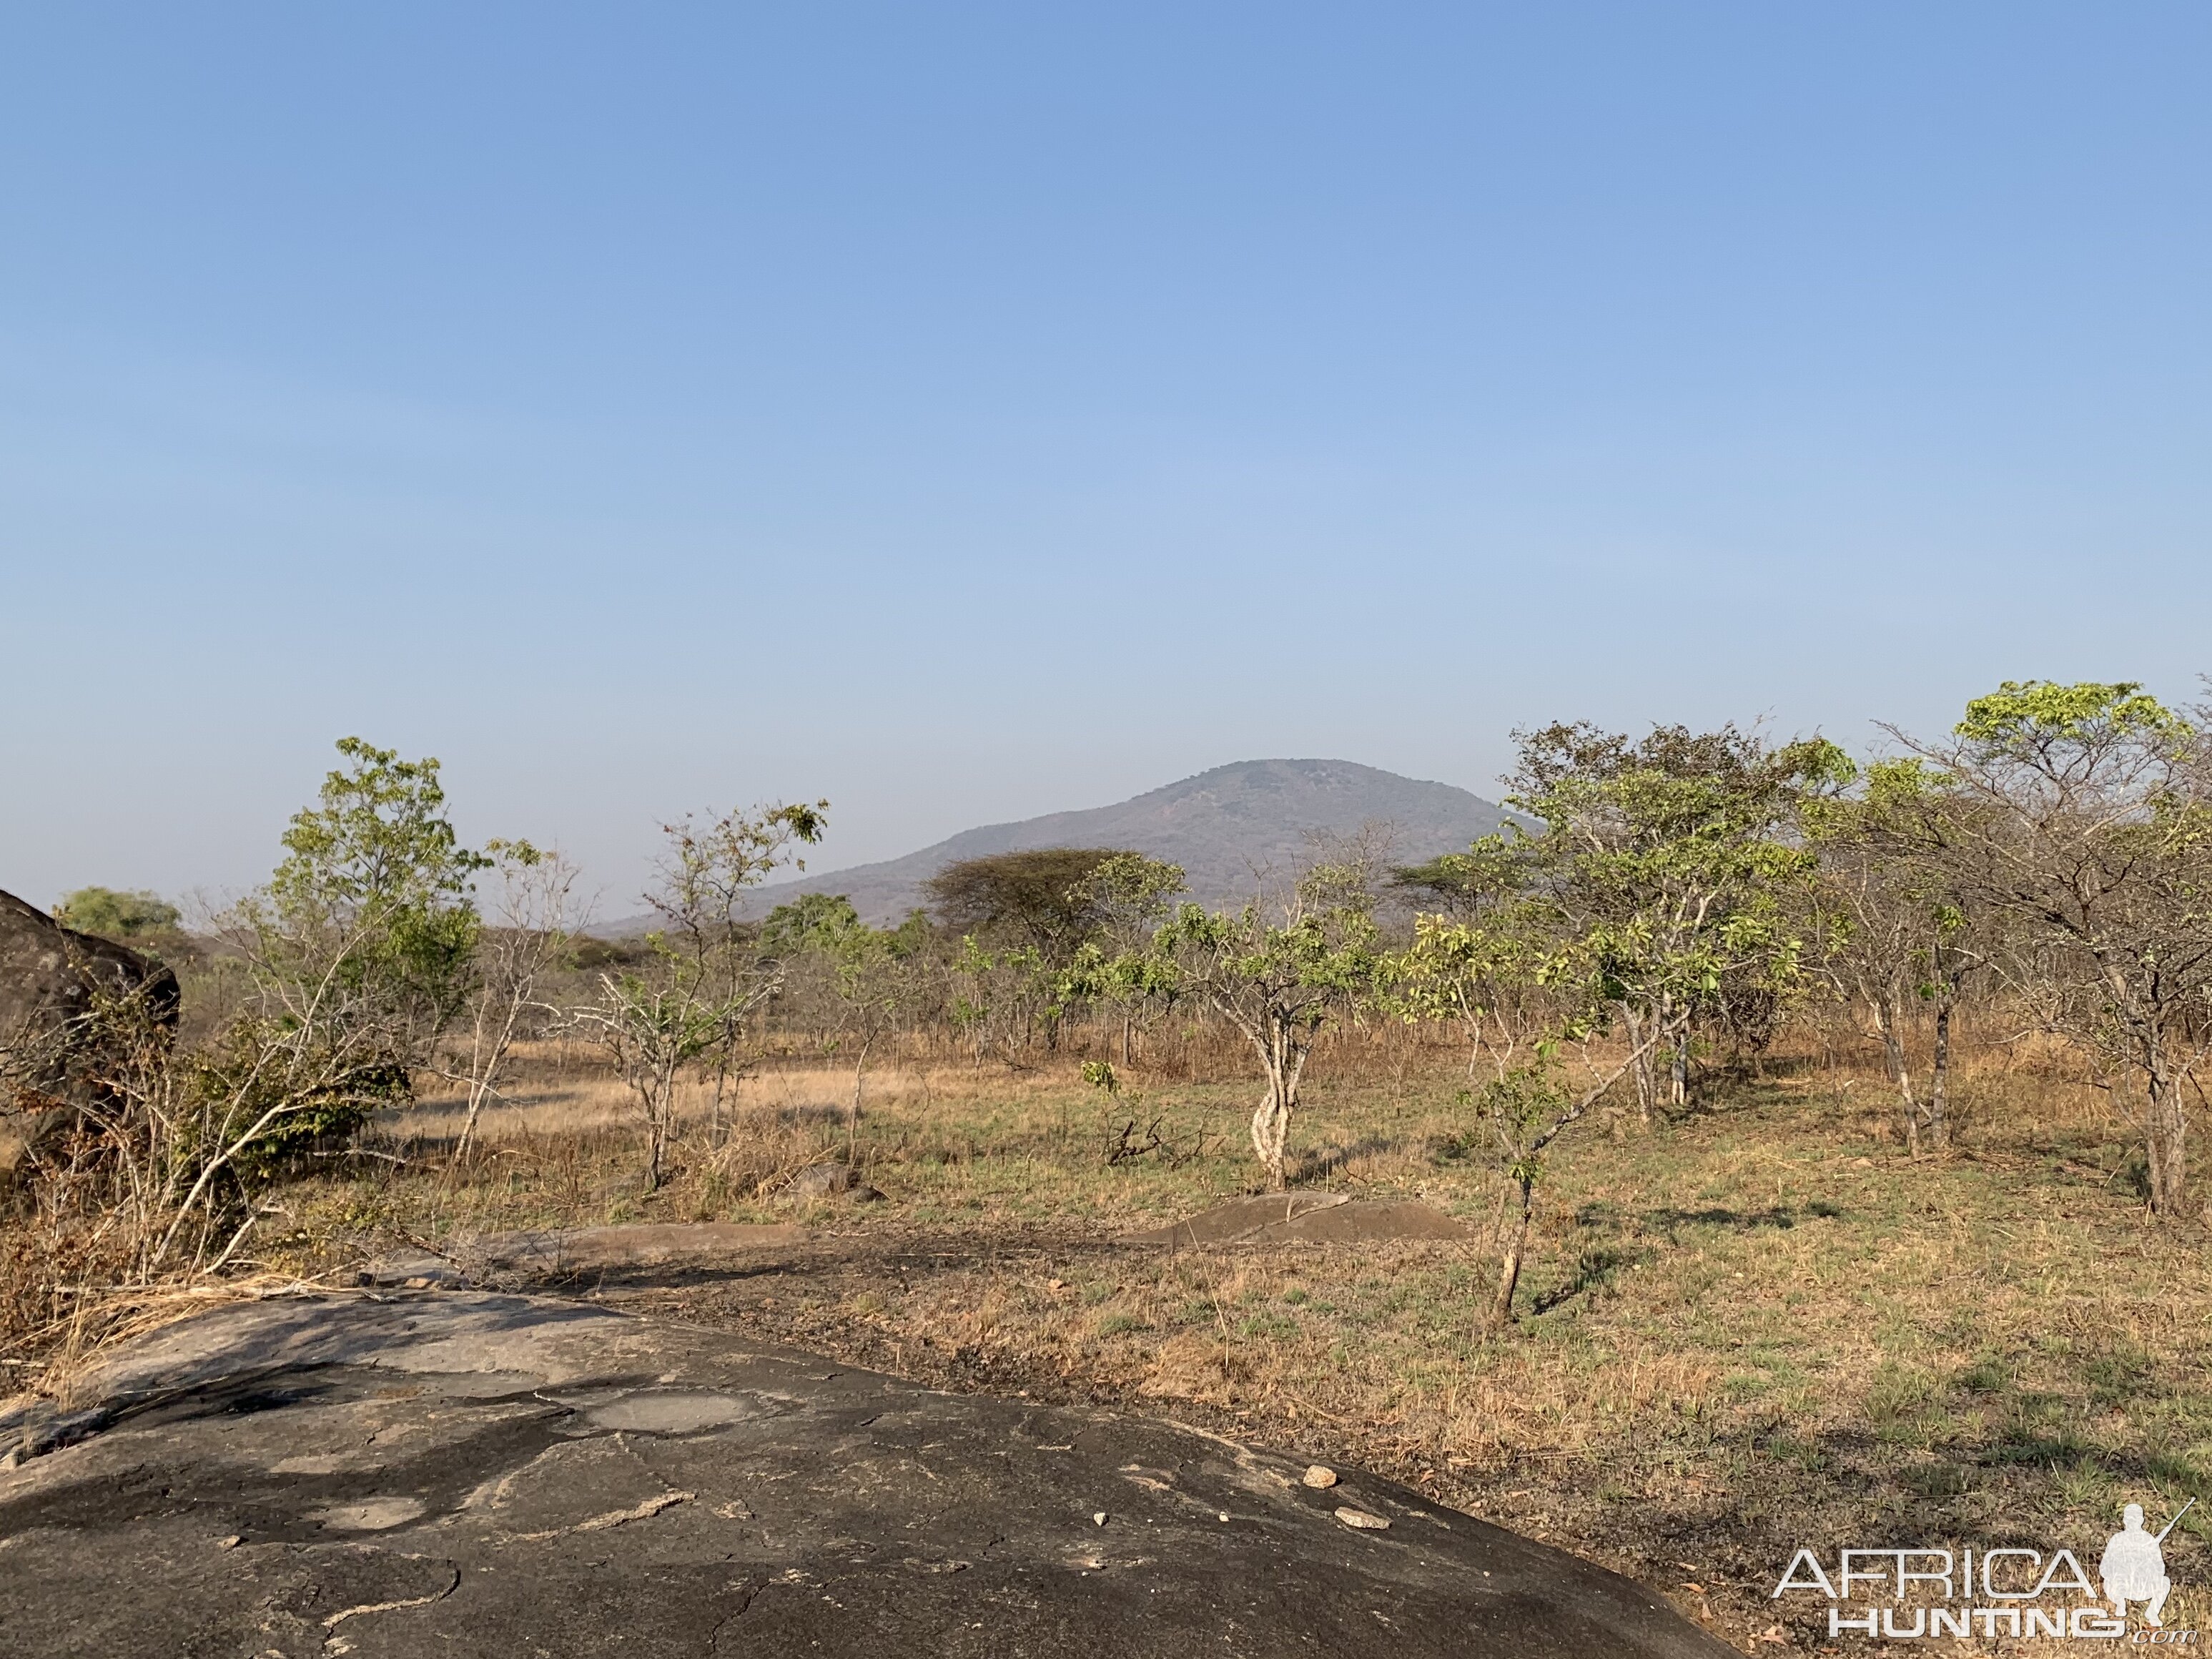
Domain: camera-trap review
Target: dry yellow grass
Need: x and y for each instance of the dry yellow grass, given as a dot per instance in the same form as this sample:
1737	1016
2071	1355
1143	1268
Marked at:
1754	1326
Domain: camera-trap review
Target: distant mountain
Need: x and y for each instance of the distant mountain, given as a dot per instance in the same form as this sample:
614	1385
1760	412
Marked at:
1220	826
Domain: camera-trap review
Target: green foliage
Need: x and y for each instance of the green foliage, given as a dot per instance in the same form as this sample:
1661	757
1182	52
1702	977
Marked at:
1666	873
1463	971
126	918
266	1090
858	951
2024	717
1463	885
1278	981
376	890
1125	896
361	951
1292	974
1518	1106
813	922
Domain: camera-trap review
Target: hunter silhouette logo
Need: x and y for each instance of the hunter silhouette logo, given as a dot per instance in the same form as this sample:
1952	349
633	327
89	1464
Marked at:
2134	1564
2010	1592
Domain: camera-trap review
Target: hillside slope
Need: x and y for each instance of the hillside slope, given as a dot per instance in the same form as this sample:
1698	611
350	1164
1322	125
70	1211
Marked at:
1220	826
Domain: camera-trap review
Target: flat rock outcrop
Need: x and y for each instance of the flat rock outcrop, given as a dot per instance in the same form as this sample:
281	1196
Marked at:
582	1252
465	1473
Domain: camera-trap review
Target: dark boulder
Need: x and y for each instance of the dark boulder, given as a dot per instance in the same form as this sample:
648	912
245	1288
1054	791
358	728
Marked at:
54	981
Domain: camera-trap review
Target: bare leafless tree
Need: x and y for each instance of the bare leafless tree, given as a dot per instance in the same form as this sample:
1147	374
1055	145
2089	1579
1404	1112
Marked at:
535	917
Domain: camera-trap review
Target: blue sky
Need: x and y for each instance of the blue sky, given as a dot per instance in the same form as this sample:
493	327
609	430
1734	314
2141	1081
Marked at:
964	412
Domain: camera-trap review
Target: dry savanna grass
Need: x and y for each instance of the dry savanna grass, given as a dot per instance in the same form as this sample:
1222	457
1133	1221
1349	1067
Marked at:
1752	1325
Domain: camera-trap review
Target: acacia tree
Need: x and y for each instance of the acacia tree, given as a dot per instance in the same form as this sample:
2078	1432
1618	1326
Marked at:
2079	814
1039	896
1279	981
691	997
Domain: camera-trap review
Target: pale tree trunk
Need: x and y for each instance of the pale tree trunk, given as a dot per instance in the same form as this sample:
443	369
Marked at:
2164	1128
1509	1270
660	1123
721	1082
656	1145
1888	1017
1646	1085
479	1090
1678	1069
1939	1079
1285	1058
852	1119
2166	1142
493	1036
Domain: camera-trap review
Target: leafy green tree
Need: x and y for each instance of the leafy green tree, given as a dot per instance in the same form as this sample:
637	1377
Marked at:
128	918
971	969
361	951
1522	992
1278	981
1473	974
2080	815
1668	871
876	976
806	923
376	892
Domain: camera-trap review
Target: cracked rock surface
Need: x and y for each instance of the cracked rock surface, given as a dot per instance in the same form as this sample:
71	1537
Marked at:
475	1474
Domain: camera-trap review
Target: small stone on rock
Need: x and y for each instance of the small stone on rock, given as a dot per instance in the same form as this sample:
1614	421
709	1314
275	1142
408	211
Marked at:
1319	1477
1361	1519
229	1543
1099	1519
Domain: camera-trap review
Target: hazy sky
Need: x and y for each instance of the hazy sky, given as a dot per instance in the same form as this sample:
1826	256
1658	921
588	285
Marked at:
965	412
